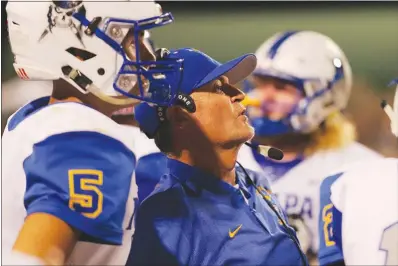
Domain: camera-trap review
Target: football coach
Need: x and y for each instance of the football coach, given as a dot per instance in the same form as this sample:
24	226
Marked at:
207	209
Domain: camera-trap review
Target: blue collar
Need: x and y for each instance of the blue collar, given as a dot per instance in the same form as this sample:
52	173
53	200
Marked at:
27	110
197	179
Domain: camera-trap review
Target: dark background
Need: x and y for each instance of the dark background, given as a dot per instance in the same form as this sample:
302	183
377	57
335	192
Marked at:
367	31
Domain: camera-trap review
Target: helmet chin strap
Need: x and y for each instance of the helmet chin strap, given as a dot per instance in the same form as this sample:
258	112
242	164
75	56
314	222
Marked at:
115	101
86	85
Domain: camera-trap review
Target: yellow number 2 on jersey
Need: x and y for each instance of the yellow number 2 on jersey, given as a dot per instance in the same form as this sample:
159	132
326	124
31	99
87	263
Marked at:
327	217
84	194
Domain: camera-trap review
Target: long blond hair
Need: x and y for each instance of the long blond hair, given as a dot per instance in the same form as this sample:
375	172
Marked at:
336	132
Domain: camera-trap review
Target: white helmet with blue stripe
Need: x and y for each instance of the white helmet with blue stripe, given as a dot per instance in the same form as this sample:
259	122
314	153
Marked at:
98	47
316	66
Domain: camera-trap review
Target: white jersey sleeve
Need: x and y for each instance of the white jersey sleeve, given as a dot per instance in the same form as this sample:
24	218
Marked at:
143	146
367	198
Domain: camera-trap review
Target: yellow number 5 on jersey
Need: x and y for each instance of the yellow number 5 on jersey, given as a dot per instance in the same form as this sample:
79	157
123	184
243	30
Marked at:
84	194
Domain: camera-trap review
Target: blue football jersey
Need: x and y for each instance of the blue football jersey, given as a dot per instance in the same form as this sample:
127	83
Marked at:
70	161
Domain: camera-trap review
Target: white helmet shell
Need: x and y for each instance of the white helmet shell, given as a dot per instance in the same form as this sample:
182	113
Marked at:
47	36
317	63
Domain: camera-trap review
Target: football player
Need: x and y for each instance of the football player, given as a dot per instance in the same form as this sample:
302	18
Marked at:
67	166
358	216
301	84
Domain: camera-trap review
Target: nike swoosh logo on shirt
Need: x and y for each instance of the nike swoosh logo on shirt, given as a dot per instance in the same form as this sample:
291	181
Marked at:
233	233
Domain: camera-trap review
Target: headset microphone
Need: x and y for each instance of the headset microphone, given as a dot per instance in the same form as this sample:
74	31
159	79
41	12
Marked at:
267	151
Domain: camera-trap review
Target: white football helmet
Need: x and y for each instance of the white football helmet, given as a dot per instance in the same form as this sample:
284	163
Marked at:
392	112
317	66
97	47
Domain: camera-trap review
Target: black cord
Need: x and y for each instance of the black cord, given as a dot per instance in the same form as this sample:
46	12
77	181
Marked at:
288	230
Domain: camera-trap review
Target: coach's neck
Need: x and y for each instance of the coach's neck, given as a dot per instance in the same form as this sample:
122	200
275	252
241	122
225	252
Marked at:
216	160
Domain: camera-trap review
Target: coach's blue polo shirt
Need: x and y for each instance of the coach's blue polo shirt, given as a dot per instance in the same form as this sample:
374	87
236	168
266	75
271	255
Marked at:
193	218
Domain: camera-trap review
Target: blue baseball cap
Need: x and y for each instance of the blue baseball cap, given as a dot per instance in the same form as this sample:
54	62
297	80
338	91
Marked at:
198	69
